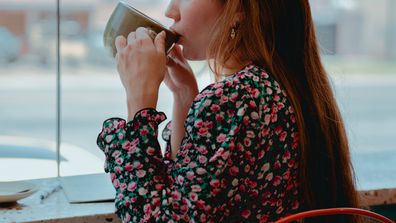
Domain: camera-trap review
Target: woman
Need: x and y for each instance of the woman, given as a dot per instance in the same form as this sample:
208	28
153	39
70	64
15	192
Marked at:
264	141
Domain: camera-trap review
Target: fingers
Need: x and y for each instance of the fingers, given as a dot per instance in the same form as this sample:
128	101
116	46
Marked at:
131	37
177	53
142	34
159	42
120	42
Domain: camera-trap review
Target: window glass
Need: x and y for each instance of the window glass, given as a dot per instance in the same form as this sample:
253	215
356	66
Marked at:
27	89
358	45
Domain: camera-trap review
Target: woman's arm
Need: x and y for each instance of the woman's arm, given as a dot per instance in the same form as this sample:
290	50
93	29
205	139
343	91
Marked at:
147	190
181	105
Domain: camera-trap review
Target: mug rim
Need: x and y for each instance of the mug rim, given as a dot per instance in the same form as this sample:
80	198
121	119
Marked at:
142	14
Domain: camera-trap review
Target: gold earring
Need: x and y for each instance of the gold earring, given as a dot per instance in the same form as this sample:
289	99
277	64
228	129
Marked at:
233	33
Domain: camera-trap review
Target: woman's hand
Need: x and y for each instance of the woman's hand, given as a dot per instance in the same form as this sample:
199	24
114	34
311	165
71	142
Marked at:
141	64
179	77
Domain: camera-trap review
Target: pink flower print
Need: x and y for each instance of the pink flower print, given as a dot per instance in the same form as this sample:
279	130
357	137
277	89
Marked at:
132	186
196	188
123	186
234	97
245	213
144	132
207	102
247	142
279	210
295	205
237	198
223	99
133	199
234	171
208	124
200	204
277	180
283	136
255	93
201	171
231	112
203	131
127	218
219	118
176	195
215	183
277	165
203	150
215	108
276	97
202	159
187	159
291	163
150	151
180	179
109	138
267	119
261	154
118	169
137	165
116	183
144	113
264	218
141	173
116	154
120	135
251	183
126	145
269	91
119	161
183	209
247	168
286	156
193	196
142	191
190	175
198	123
221	138
278	129
250	134
219	92
254	115
202	218
265	167
269	176
274	117
286	175
147	208
128	167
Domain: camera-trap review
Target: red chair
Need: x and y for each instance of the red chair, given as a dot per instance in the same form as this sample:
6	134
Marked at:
335	211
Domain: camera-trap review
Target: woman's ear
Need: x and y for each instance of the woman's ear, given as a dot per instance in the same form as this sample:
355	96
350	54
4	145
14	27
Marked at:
238	18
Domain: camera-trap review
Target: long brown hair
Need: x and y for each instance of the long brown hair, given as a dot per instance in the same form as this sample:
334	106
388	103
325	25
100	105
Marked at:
279	35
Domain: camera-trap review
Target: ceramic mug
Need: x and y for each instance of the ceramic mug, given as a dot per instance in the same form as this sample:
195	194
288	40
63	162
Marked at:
126	19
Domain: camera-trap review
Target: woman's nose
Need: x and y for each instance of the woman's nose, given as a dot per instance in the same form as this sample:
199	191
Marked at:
172	11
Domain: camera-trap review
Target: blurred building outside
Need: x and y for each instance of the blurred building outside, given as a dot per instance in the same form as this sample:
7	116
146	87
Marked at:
346	28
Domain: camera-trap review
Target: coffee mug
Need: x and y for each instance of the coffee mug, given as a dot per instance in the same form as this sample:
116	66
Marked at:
126	19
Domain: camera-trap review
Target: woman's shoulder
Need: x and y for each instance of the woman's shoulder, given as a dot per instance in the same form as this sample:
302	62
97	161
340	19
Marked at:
253	80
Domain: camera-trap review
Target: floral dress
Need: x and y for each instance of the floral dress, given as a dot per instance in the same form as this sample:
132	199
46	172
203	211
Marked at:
237	161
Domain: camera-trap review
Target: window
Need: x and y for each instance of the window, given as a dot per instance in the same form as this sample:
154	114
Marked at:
357	38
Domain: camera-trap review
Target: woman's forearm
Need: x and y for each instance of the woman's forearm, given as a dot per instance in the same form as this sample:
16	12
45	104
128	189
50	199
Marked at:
181	105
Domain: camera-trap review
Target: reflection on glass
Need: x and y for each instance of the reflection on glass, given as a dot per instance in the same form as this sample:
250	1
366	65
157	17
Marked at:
27	90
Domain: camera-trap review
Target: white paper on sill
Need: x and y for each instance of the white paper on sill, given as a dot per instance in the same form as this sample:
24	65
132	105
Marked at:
88	188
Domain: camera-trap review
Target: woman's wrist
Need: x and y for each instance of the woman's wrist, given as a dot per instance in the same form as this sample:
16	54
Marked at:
185	96
138	101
